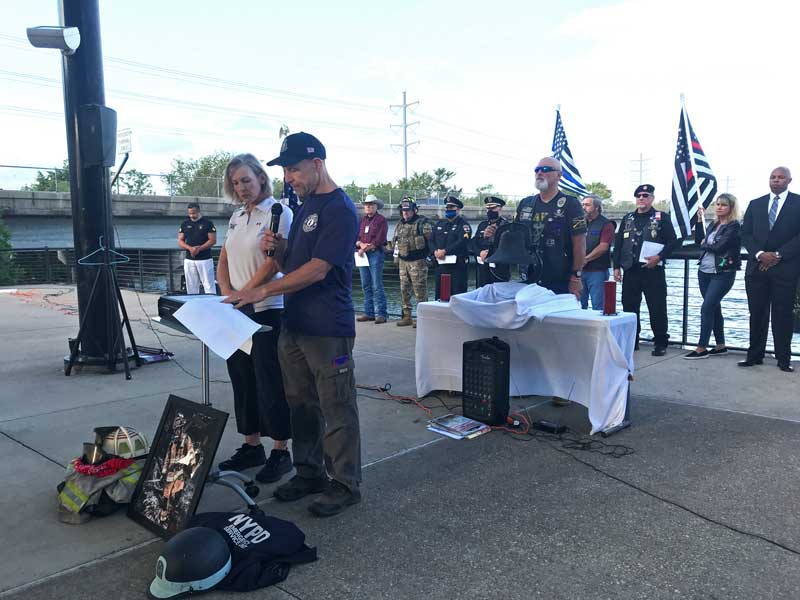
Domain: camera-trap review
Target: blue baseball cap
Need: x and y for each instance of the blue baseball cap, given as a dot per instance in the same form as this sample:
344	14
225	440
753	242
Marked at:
298	147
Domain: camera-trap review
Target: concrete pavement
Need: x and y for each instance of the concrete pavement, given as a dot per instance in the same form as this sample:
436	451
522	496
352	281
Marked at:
704	508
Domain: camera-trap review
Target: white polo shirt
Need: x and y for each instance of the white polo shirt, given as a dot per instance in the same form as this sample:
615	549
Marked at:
242	241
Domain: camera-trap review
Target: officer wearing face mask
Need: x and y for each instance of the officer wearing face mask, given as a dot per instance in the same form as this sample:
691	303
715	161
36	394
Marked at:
451	237
481	246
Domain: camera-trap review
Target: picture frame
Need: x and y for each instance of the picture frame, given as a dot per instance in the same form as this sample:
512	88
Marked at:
180	458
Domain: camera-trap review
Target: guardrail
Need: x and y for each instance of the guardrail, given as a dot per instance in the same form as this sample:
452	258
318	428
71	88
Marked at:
161	271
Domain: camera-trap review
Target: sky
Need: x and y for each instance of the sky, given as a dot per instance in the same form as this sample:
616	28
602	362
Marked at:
192	77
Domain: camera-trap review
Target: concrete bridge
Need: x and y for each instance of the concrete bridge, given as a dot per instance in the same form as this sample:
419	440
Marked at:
15	203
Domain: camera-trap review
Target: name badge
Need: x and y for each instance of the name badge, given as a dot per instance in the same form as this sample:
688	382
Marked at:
366	229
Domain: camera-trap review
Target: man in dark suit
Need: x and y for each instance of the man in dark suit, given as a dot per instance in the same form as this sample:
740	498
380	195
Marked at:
771	234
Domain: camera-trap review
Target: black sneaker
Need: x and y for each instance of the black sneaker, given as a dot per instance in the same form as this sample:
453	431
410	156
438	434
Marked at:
694	355
245	457
278	464
335	499
298	487
659	351
715	352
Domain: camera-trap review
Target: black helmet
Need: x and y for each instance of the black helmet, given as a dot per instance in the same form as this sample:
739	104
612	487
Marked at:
194	560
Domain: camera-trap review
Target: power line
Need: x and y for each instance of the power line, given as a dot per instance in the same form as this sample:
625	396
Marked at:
172	74
188	104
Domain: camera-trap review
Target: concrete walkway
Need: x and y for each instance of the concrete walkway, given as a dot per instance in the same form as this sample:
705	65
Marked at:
706	507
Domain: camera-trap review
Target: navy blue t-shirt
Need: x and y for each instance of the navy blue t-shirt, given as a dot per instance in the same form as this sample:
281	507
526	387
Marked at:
325	227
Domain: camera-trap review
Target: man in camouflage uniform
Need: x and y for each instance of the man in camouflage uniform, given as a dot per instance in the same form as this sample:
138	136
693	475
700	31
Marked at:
411	237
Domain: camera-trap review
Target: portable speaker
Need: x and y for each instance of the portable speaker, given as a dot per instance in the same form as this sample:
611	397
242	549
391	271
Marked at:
485	376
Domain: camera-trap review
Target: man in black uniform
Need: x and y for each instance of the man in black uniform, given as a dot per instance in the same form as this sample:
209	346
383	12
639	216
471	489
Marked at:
482	247
558	230
645	273
197	235
451	237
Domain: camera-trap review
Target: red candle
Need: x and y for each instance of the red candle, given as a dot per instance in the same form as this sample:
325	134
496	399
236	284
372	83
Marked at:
610	298
444	287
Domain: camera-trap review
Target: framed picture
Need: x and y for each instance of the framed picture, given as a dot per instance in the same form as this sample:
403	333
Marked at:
179	461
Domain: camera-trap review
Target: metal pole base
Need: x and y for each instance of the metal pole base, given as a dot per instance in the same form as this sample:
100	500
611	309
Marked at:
612	430
97	363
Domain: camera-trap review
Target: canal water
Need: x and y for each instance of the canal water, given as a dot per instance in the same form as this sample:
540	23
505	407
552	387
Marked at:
160	232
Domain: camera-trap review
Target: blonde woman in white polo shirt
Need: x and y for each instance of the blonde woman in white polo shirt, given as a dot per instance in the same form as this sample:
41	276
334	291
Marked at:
259	400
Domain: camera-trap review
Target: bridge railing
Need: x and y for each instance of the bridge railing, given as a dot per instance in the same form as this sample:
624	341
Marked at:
161	271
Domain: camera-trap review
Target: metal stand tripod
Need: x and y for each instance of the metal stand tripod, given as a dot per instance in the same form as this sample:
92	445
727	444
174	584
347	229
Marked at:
106	277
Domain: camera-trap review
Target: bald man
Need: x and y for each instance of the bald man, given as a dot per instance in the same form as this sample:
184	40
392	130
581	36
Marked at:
771	234
558	228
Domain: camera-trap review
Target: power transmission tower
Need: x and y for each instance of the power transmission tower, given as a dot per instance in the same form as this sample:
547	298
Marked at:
405	125
641	170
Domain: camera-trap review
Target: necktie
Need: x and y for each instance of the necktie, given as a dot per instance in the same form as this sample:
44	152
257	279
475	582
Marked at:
773	212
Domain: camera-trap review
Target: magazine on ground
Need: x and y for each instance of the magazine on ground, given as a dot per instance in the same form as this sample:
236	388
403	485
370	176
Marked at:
457	426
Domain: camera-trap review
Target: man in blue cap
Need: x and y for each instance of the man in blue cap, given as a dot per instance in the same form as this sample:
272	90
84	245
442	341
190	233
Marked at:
451	237
316	341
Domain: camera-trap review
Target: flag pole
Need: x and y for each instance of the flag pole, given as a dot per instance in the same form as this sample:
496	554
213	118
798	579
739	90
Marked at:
688	130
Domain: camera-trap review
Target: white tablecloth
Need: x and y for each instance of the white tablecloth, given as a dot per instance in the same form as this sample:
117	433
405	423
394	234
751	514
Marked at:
579	354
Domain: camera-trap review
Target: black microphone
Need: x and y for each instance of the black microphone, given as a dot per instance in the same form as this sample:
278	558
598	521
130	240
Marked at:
274	222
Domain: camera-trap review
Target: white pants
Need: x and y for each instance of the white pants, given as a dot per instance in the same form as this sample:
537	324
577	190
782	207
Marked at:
199	271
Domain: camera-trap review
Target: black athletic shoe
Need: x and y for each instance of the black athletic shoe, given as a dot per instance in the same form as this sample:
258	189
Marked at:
694	355
245	457
659	351
278	464
298	487
715	352
335	499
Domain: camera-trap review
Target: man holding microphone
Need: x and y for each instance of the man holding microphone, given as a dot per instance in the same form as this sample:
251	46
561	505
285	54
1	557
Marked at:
316	341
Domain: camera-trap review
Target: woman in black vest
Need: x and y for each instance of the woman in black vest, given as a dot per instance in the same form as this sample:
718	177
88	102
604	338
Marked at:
722	248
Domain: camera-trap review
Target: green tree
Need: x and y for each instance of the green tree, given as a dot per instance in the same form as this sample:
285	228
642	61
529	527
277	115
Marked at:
385	191
440	178
7	271
420	181
200	177
599	188
277	187
136	183
56	180
356	192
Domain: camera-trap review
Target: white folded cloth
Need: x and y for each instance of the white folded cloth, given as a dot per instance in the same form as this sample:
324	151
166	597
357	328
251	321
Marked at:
509	305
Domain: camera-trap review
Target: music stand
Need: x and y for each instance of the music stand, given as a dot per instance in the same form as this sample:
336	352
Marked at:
216	476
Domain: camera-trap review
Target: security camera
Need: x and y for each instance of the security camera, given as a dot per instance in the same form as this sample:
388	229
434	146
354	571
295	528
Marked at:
66	39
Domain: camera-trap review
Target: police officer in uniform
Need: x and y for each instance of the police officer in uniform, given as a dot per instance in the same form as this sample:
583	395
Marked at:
451	237
411	248
645	224
482	247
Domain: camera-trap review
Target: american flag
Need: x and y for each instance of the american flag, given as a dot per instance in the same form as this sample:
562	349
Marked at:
570	176
692	179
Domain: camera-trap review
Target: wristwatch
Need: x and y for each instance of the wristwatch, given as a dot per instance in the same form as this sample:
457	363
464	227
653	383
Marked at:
577	273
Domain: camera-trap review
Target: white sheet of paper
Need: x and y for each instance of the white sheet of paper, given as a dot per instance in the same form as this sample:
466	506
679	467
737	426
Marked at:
649	249
449	259
361	261
219	326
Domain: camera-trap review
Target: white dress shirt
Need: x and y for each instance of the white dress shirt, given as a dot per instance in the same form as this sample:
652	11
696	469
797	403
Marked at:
781	201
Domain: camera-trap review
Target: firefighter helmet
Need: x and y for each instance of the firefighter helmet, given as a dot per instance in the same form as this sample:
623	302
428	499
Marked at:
195	560
124	442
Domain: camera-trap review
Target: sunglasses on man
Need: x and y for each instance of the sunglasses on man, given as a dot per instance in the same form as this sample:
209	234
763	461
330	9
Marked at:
643	195
544	169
